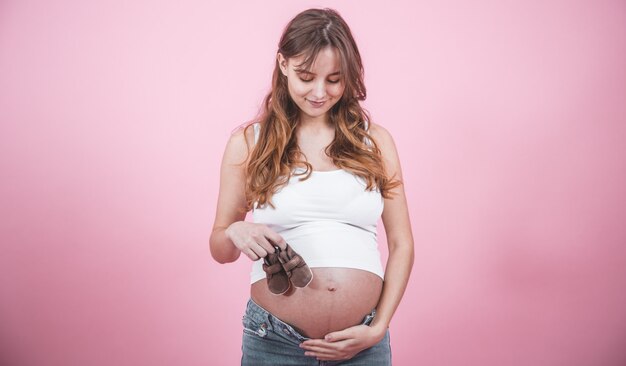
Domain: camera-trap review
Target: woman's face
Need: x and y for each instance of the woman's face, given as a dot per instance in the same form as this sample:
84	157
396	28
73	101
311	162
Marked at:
322	84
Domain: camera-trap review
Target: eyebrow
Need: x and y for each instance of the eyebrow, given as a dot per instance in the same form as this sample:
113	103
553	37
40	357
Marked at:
312	73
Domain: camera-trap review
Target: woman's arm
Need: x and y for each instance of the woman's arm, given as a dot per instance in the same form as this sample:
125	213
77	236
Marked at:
399	235
230	200
231	235
346	343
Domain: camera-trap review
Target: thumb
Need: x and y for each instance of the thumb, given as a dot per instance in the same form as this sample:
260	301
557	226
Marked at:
338	336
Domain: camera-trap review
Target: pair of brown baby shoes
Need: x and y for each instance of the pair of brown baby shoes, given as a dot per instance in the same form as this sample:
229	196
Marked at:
284	268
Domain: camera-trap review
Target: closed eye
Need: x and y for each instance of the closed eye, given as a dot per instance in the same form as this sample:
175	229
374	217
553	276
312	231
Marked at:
330	81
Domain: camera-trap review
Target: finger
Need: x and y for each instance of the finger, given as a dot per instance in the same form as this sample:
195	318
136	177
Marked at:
313	343
250	254
318	349
324	346
265	244
258	250
321	353
275	239
329	356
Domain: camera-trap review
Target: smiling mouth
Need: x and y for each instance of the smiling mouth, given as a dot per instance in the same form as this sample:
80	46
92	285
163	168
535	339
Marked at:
317	104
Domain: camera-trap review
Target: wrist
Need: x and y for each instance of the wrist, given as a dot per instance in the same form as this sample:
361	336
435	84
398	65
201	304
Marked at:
379	330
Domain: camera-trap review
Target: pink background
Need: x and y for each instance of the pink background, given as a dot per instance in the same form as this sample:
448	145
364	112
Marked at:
510	120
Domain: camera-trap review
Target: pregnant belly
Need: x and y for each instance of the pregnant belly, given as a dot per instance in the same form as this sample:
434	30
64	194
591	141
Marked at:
336	299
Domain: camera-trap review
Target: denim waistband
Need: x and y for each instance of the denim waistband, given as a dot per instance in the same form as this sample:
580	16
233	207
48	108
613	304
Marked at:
271	322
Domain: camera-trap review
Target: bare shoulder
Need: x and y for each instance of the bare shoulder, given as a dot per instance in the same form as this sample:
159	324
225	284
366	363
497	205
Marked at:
387	147
380	134
395	214
239	142
231	203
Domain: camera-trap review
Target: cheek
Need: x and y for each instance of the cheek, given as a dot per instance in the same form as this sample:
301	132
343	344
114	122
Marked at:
298	88
336	91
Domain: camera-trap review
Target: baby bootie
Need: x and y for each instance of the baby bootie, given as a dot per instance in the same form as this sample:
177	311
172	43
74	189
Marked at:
297	270
277	278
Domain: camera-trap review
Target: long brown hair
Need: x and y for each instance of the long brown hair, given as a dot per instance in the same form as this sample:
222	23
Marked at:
271	160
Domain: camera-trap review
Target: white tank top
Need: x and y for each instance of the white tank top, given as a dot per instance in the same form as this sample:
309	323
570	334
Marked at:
329	219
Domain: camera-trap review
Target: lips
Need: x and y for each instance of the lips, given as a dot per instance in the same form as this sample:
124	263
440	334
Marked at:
317	104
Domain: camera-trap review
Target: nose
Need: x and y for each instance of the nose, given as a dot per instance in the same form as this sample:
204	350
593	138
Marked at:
319	90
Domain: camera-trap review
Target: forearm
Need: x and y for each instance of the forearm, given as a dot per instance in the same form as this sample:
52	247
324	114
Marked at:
397	272
222	248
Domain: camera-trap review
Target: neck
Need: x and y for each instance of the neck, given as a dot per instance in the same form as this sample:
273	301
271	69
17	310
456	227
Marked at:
314	124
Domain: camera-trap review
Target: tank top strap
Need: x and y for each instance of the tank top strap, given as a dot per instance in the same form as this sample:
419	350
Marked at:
368	141
256	127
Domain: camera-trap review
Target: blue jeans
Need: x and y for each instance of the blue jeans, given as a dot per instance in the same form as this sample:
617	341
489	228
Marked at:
268	340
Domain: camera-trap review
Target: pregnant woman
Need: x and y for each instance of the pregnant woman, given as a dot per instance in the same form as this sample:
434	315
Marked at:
317	175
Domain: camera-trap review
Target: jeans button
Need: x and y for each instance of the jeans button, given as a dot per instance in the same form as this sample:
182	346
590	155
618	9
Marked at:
286	331
262	329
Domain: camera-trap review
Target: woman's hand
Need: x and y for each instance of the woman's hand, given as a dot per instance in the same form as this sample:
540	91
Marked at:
254	240
344	344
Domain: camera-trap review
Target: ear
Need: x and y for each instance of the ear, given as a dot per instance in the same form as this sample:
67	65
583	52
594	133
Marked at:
282	63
